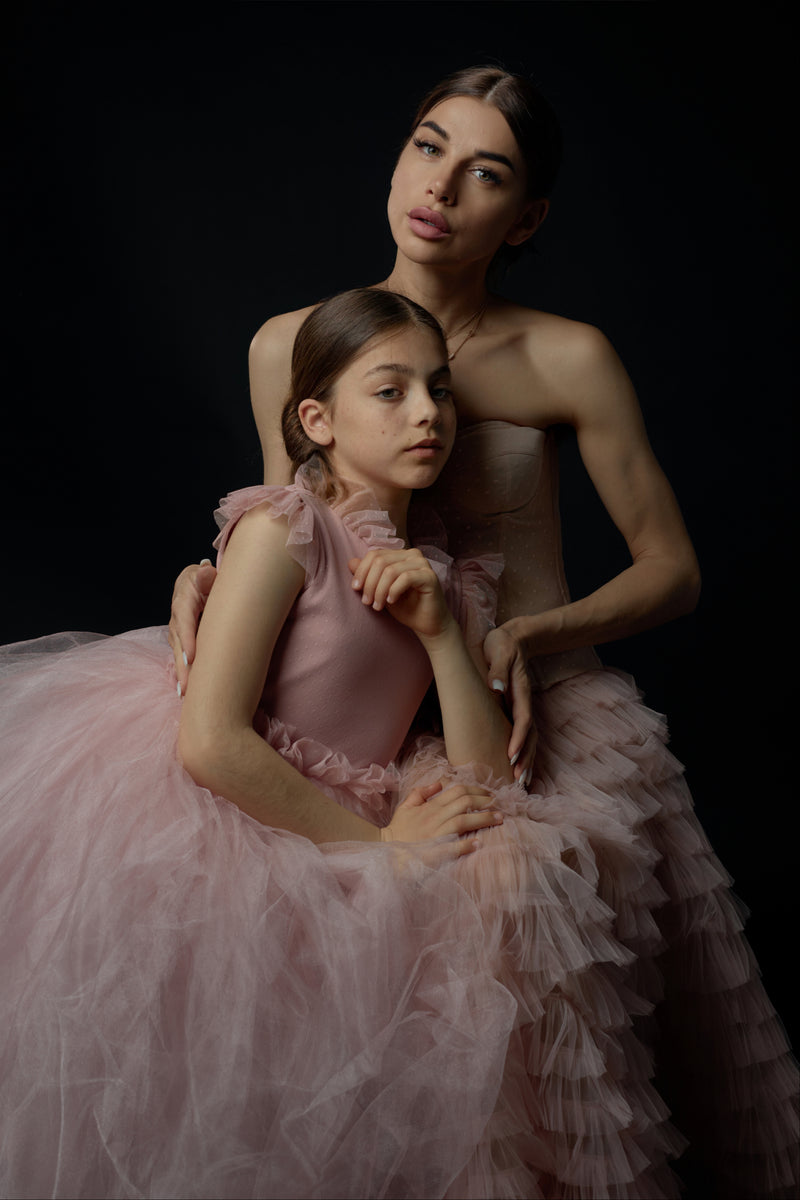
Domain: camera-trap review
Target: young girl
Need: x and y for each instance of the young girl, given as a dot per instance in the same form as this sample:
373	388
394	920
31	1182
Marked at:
344	979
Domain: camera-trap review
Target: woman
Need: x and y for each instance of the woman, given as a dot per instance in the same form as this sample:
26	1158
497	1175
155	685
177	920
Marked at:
470	188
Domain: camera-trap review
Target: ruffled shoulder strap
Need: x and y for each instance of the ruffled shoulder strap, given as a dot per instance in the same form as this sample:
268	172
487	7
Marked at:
470	584
476	582
292	501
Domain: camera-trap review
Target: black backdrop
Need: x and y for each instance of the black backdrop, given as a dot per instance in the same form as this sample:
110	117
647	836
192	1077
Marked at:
180	173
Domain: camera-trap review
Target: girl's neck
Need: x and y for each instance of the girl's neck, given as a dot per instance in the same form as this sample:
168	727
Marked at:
453	296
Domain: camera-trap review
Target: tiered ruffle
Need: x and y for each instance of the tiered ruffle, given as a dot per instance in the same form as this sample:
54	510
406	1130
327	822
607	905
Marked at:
196	1005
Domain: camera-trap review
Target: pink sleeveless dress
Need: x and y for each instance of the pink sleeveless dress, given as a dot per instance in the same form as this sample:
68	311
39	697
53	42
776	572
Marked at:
195	1005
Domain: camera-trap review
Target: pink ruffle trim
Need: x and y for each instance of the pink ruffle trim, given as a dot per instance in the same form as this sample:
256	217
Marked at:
470	584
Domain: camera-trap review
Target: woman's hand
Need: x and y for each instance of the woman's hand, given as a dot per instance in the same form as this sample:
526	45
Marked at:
403	582
430	812
508	674
192	589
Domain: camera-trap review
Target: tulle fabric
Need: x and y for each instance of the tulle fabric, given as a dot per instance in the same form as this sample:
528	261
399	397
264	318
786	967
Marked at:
194	1005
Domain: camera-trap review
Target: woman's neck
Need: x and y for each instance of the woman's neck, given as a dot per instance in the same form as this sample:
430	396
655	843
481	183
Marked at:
453	295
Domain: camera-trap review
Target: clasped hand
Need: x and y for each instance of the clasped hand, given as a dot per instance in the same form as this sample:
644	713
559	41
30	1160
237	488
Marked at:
435	811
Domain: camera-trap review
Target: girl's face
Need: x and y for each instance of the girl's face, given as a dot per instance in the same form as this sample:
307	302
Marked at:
459	190
390	422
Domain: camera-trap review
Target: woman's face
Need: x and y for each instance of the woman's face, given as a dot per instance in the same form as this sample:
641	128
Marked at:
459	190
391	422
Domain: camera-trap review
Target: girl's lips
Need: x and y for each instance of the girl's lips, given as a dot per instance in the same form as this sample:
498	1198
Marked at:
427	449
428	224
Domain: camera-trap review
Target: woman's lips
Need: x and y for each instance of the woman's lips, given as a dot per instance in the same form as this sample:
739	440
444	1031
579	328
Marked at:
428	224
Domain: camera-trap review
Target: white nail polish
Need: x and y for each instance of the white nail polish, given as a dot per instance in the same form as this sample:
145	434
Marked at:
185	659
180	693
511	761
498	685
525	776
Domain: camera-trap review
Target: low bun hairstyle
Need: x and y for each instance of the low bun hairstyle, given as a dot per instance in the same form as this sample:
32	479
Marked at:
327	342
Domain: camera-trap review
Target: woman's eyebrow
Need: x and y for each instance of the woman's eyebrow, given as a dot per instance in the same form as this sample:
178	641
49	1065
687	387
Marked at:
500	158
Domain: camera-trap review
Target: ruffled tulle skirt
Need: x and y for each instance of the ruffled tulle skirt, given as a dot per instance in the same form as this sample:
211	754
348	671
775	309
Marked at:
194	1005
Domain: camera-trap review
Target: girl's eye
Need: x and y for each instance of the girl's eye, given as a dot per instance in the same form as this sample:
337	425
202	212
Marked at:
441	393
388	393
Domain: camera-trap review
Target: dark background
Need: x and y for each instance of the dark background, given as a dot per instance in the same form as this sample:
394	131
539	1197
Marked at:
180	173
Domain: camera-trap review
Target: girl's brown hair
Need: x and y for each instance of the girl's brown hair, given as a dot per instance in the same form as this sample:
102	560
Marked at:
327	342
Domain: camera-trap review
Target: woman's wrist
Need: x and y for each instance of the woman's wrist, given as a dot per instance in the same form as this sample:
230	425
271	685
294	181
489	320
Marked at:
535	633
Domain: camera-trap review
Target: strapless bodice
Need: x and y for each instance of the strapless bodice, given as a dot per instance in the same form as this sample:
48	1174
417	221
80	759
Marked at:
499	494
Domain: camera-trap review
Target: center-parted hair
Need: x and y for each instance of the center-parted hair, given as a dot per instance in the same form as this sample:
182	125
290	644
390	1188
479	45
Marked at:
529	116
329	339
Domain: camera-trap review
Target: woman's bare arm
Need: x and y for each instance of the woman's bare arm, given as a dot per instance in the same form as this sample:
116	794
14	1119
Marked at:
594	394
270	362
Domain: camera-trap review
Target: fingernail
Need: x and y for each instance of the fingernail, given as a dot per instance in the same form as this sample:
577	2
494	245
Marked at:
498	685
180	693
185	659
511	761
497	818
525	776
205	562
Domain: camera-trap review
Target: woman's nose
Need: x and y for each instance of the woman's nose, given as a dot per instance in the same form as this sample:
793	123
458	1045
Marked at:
443	188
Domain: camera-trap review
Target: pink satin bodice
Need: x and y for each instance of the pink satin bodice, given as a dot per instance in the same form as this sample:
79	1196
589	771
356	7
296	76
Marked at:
499	494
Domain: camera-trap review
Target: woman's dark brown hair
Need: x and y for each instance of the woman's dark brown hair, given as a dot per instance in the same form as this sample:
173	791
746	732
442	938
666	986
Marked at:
327	342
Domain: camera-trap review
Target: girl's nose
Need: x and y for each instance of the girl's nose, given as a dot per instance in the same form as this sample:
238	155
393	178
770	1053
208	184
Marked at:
426	411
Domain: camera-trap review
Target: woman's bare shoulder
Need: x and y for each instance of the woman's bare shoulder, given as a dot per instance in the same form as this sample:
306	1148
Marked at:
552	336
548	366
273	342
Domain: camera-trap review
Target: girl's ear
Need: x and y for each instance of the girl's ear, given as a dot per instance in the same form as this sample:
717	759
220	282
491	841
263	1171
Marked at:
526	225
315	419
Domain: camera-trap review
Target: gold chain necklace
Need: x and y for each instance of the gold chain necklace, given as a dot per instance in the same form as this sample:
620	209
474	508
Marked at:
474	321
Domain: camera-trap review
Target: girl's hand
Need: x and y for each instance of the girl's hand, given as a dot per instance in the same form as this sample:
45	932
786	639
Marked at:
192	589
508	674
403	582
429	812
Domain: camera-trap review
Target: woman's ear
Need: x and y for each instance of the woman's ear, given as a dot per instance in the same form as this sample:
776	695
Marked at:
315	419
526	225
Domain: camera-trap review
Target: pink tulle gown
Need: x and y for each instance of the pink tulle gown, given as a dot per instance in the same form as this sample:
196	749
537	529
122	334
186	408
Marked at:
195	1005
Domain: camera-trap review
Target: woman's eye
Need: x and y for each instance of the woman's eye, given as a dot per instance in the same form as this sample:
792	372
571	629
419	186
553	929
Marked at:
427	148
485	175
